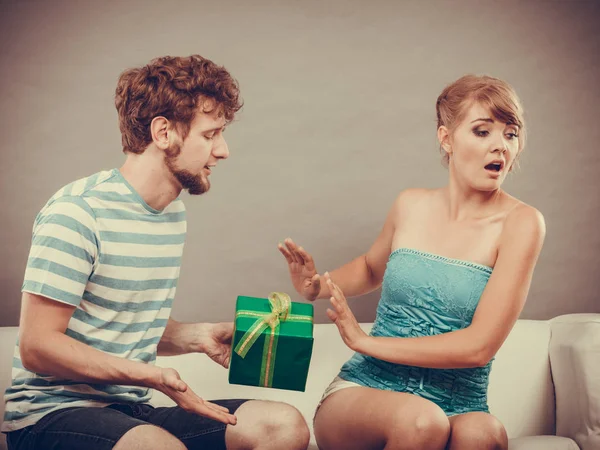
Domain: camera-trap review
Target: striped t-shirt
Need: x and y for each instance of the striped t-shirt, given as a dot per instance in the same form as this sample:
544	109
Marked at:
98	246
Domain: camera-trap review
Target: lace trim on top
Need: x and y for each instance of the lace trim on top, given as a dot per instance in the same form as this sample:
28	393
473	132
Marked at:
432	256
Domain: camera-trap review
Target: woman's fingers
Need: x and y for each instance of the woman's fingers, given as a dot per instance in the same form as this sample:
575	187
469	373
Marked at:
308	261
316	282
331	314
295	251
285	253
333	288
291	248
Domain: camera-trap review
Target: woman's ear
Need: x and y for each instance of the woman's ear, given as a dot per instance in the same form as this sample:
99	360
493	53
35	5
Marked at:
444	139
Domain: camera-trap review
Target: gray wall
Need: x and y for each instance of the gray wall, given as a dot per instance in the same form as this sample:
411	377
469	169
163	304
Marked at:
338	118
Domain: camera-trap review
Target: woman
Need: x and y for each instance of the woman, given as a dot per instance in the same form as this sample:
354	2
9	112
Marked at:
455	265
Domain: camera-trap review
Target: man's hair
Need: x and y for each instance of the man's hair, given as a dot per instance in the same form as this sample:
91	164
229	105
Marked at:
174	88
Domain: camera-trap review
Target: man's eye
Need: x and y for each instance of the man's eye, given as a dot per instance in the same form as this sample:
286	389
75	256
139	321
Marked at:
210	137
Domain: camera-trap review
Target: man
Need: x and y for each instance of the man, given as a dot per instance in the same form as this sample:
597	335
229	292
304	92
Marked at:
100	282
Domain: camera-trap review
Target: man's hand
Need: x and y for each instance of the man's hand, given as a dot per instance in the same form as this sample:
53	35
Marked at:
170	383
215	341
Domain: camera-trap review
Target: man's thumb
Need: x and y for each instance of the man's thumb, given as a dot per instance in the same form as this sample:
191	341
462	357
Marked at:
177	383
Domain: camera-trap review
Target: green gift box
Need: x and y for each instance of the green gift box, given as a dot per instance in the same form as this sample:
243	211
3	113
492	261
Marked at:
272	342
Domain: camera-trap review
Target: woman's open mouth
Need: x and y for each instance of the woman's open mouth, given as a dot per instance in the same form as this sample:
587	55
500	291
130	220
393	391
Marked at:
495	167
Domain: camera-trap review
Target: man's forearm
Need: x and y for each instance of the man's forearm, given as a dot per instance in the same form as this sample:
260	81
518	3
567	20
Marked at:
180	338
61	356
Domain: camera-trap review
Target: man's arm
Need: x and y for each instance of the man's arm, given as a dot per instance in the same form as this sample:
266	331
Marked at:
46	349
180	338
212	339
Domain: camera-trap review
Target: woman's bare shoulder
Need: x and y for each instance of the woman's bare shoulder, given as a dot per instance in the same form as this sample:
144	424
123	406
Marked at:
414	197
523	217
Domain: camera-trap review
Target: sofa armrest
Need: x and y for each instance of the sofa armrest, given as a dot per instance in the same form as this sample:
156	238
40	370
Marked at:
575	364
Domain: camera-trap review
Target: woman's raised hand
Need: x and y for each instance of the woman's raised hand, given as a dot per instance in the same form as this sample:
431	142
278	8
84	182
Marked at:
302	269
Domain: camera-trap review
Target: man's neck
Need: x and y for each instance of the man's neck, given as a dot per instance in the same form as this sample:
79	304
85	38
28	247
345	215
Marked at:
150	177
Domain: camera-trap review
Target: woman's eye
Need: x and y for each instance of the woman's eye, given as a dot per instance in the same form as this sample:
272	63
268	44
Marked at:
481	133
512	135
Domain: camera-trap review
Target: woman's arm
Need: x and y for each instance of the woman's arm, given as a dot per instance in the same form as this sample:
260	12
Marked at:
360	276
365	273
499	307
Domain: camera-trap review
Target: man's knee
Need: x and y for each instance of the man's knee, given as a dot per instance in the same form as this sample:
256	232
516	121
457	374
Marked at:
289	427
148	437
272	425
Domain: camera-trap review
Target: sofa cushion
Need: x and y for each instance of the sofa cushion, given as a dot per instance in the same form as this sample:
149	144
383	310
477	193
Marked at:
521	393
542	443
575	360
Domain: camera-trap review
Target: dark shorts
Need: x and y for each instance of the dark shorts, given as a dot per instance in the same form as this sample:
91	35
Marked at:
101	428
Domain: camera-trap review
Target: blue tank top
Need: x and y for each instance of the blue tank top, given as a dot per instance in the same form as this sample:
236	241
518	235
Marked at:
425	294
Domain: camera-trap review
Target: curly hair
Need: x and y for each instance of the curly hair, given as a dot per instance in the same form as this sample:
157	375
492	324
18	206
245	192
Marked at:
172	87
495	94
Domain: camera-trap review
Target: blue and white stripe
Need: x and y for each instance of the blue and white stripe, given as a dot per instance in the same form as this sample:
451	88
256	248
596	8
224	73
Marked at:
99	247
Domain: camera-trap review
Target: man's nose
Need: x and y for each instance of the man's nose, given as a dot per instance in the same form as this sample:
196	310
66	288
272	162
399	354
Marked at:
221	149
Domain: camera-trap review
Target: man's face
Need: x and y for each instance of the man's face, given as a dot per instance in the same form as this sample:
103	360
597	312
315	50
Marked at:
191	161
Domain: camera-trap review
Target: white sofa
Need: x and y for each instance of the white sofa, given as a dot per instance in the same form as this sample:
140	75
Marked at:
544	386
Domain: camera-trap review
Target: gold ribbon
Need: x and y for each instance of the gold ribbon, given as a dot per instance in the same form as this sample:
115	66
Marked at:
281	306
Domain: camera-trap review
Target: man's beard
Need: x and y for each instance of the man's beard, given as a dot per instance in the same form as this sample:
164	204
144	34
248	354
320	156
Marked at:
194	184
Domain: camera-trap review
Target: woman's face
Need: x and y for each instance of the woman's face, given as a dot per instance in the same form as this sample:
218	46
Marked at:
482	149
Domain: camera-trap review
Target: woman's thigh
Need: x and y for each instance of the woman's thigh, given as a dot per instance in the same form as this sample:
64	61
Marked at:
363	418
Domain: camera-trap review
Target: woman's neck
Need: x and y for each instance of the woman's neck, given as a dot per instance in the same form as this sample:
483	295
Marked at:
466	203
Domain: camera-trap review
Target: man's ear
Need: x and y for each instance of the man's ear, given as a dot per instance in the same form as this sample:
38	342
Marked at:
160	129
444	138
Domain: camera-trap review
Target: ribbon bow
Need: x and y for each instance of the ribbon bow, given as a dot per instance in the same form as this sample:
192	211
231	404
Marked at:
281	307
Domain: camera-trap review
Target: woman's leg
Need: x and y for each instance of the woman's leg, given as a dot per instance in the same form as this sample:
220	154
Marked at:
477	431
363	418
